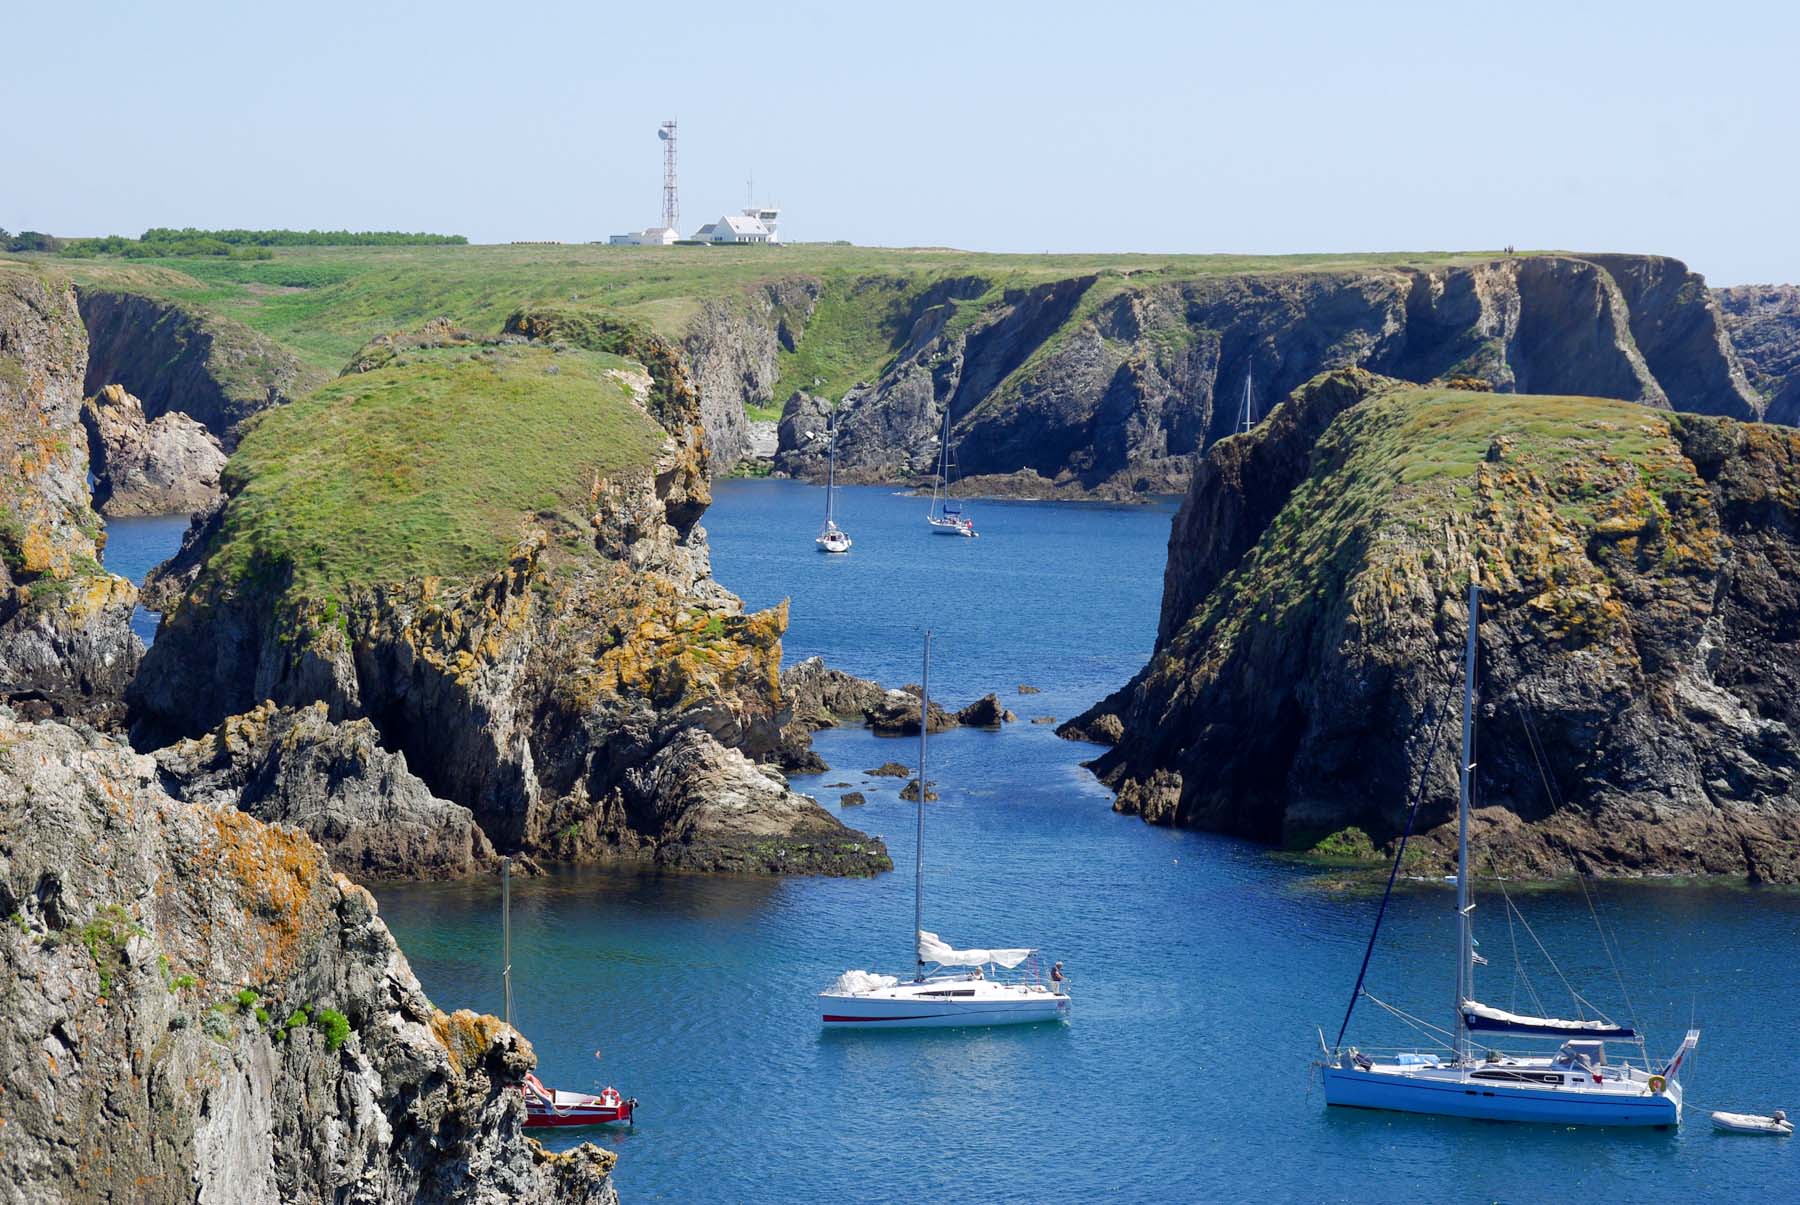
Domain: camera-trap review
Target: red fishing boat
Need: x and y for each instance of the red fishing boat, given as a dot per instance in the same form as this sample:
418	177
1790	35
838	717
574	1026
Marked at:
547	1106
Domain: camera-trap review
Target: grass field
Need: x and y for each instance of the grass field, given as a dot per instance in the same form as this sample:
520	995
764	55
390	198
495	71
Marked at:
430	466
325	302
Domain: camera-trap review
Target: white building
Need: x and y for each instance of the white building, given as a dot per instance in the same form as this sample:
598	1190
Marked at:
758	224
654	236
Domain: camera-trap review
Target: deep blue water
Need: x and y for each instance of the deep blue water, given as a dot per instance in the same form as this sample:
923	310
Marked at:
134	547
1201	966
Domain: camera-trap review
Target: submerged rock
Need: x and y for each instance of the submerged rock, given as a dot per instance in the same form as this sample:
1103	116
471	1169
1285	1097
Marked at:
66	645
194	1007
890	769
167	467
334	782
851	799
910	792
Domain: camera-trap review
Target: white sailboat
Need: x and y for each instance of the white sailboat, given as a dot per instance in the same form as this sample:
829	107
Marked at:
1577	1085
831	537
949	987
946	514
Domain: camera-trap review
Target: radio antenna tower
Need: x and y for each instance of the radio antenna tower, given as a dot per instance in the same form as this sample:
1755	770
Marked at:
671	207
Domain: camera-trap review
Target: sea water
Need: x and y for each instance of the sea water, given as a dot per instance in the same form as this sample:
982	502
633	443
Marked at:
1202	968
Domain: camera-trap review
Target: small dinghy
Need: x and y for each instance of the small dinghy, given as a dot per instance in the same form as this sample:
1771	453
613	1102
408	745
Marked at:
547	1107
1751	1123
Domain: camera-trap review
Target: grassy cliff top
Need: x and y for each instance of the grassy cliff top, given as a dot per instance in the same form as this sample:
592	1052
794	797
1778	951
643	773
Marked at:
325	302
429	466
1563	498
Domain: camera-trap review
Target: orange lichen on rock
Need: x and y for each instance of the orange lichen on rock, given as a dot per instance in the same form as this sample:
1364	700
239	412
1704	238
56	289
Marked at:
466	1036
276	874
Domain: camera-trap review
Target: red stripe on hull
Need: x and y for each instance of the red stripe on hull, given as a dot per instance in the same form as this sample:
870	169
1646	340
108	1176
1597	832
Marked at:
576	1117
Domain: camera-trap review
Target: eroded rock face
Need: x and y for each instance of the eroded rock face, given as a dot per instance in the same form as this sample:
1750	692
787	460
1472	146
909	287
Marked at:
535	698
66	645
132	1071
717	810
730	355
167	467
335	783
1099	388
1640	636
1764	322
179	358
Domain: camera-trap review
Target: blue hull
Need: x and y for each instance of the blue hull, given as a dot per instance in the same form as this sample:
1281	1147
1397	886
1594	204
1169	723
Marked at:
1405	1094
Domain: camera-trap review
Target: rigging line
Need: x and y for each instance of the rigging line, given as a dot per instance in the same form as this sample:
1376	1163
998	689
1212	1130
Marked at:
1608	941
1567	986
1422	1026
1412	814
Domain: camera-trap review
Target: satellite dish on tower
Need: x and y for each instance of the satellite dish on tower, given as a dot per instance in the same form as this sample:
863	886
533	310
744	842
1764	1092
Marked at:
663	134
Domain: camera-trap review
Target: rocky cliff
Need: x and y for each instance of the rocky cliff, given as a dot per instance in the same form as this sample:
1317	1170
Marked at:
731	354
1110	383
558	661
168	466
1640	652
184	359
196	1009
66	645
1764	323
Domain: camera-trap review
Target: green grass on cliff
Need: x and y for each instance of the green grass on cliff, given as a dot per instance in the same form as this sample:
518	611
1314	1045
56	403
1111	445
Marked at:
1559	494
325	302
432	466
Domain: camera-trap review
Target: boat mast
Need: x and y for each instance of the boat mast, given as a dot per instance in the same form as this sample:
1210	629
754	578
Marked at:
831	473
1465	937
1246	414
506	934
938	506
919	837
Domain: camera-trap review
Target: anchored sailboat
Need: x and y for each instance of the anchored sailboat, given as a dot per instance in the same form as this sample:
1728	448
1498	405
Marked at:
547	1106
832	538
949	987
1578	1085
946	515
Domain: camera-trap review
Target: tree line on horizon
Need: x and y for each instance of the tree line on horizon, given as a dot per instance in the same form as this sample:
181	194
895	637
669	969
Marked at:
165	242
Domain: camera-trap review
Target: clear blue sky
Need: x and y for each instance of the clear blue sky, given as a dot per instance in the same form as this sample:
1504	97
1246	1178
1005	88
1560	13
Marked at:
1128	126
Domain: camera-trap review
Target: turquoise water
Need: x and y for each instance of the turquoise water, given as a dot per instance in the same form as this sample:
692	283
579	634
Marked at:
1201	966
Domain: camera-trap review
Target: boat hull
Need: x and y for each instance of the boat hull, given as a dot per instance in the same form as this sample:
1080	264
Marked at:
579	1116
1401	1093
869	1012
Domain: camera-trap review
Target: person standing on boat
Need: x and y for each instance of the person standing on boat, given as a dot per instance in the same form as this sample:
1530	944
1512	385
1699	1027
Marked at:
1056	980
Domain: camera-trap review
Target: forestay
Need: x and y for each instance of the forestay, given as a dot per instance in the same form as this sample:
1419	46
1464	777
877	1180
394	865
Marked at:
933	949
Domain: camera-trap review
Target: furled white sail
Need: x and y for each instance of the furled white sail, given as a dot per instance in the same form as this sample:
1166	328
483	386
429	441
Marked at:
933	949
1483	1017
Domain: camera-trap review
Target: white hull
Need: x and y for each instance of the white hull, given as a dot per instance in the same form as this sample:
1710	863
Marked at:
829	544
942	1003
1557	1098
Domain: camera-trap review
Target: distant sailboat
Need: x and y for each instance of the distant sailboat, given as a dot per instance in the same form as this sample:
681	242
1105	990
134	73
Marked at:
1247	408
1575	1086
946	516
949	987
547	1106
831	537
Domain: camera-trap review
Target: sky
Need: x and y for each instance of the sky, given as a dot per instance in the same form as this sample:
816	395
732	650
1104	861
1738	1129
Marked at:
1121	126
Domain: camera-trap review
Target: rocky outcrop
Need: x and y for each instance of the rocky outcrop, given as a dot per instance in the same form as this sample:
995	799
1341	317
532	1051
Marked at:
543	696
194	1008
335	783
1107	386
167	467
181	358
66	645
1640	636
716	810
731	355
1764	323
